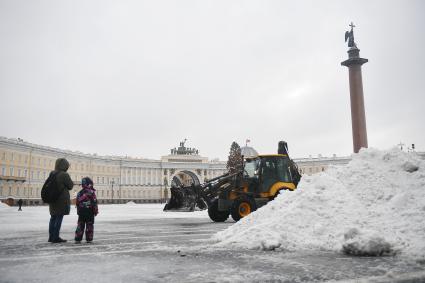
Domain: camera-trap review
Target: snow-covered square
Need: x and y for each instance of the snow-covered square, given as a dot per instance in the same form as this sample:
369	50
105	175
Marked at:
363	221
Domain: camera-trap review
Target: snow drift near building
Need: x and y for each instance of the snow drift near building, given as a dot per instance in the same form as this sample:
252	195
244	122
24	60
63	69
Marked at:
4	206
374	205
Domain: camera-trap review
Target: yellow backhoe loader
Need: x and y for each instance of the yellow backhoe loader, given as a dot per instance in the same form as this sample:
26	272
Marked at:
242	192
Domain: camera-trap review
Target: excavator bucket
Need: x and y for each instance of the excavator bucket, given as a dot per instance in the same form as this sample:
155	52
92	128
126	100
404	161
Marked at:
184	199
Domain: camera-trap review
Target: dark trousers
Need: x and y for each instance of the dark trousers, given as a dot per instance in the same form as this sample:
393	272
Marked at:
55	226
85	222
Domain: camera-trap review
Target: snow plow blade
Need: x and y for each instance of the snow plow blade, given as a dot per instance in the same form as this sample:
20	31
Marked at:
184	199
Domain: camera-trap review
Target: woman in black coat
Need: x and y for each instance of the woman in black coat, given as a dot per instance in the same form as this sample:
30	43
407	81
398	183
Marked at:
62	205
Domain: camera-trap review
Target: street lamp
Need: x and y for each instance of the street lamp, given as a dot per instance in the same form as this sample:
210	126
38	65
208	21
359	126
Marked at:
112	188
1	189
120	182
119	193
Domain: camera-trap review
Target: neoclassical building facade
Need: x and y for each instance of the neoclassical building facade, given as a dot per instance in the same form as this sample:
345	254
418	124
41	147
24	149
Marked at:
25	166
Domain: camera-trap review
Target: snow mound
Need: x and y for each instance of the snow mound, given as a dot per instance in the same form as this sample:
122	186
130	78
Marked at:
4	206
131	203
375	205
361	244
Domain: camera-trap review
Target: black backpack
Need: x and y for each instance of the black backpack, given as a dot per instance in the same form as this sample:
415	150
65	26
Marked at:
50	191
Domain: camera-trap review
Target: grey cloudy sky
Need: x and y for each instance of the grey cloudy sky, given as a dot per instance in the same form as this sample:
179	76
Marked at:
137	77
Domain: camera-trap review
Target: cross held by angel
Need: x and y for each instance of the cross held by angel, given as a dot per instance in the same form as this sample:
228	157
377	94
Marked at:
349	35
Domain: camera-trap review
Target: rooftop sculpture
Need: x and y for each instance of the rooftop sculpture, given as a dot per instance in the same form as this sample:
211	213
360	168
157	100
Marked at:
182	150
349	35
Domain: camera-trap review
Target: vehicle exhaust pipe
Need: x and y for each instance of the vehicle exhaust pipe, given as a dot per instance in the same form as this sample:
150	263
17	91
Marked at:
282	148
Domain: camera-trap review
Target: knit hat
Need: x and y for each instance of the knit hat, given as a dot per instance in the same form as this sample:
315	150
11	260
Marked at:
86	181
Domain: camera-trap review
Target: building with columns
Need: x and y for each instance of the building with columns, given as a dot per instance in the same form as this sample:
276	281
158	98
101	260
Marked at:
25	166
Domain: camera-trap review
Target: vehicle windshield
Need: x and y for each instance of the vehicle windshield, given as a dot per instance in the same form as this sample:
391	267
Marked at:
250	166
276	168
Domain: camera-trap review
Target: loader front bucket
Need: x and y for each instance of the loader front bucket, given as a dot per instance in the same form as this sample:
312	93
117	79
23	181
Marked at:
184	199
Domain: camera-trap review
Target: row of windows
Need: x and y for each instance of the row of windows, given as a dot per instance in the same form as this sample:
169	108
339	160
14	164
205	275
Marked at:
42	176
19	192
311	170
38	175
49	162
10	156
98	168
35	192
11	172
127	194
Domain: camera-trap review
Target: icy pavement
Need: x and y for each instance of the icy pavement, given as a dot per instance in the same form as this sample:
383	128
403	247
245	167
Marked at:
140	243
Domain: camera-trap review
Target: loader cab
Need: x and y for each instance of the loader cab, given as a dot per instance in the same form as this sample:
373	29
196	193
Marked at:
251	167
250	174
264	171
273	169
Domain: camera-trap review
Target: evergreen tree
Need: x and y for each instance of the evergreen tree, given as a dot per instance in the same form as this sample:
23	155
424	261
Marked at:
235	161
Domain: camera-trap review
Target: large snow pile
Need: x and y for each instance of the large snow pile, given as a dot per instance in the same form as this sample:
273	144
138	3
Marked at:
374	205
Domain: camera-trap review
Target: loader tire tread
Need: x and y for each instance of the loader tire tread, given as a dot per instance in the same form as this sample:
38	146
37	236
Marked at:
215	214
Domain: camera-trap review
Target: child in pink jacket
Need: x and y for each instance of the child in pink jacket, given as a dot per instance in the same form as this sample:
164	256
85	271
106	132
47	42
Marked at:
86	210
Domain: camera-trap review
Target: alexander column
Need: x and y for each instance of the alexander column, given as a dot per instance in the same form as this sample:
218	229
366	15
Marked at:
358	118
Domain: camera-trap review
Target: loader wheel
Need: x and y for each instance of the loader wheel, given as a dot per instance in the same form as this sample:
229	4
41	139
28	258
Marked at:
215	214
241	207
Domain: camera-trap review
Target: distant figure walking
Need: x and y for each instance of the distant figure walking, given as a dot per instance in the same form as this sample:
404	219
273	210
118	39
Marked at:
20	204
62	205
87	210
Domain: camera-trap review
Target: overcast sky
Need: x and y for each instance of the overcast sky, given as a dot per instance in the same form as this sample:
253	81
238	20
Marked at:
137	77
